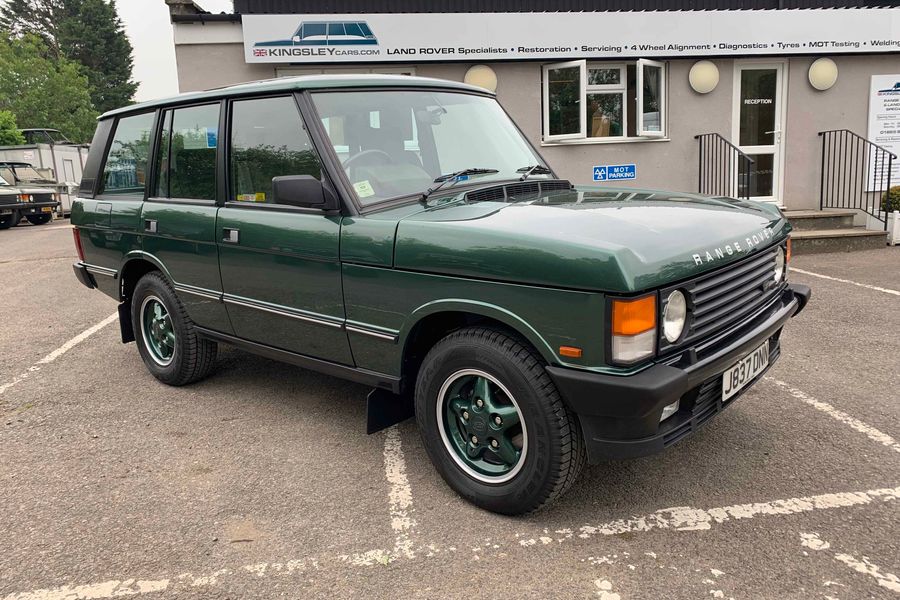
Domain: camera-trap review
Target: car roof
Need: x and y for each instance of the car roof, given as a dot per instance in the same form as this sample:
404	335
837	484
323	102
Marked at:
299	83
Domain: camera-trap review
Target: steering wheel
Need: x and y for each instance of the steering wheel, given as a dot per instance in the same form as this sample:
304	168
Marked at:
364	153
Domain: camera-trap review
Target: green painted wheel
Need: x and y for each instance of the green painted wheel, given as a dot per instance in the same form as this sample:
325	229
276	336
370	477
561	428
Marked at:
157	329
481	426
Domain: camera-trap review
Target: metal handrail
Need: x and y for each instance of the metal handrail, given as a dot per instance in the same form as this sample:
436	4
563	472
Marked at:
723	167
856	173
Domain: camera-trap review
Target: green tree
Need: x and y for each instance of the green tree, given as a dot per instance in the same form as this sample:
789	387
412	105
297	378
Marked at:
42	92
9	131
86	31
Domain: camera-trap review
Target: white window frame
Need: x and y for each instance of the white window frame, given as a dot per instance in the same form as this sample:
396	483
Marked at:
582	136
610	88
582	117
639	108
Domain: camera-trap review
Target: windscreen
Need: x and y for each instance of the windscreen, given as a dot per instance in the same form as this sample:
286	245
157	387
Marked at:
395	143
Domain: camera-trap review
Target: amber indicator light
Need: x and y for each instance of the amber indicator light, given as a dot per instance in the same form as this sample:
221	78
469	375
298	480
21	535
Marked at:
631	317
570	351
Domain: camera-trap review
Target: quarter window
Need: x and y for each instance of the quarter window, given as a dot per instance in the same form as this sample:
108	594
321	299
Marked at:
125	171
599	101
268	139
187	153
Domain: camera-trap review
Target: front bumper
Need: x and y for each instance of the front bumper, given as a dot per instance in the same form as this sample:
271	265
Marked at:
620	415
29	208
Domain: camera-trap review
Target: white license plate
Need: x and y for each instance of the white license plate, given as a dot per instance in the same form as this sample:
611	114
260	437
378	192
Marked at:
744	371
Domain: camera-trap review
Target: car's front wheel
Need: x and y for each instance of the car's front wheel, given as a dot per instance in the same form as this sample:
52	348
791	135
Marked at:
494	424
38	219
167	339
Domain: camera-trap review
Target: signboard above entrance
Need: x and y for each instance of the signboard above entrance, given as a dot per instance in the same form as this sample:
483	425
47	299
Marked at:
545	36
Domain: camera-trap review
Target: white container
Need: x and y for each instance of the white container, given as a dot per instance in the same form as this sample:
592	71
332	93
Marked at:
894	228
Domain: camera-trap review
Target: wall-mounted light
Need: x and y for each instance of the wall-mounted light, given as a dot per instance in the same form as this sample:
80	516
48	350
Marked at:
823	73
482	76
704	76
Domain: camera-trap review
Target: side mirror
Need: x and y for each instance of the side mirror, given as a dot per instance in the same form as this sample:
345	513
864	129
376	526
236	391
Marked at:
304	191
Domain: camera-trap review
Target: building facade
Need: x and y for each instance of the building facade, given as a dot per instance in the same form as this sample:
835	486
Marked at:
609	94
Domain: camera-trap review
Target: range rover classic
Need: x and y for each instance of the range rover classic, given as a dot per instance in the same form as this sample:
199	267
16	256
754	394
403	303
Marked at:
35	204
401	232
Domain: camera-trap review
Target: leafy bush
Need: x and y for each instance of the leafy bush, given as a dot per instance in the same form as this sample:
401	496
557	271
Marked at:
9	132
890	200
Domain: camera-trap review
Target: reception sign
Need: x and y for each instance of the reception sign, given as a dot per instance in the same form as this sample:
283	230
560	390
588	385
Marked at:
549	36
884	129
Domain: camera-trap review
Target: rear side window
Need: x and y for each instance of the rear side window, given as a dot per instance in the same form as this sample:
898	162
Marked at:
125	171
187	153
268	140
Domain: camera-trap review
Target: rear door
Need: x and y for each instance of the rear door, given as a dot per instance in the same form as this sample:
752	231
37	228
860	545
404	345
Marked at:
109	224
280	264
179	218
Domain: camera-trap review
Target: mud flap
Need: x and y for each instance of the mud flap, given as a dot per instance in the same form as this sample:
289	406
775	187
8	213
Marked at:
384	408
125	327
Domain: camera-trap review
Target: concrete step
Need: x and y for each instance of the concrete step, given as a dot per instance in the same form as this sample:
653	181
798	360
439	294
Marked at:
815	241
809	220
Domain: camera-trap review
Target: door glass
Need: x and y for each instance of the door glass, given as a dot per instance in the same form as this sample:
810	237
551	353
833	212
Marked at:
564	98
192	160
267	140
757	121
762	176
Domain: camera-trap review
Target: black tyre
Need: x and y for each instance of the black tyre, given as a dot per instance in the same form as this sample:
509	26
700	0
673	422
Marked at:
494	424
38	219
166	337
7	221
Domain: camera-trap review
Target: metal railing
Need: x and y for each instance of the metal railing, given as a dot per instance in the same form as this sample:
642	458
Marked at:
724	169
856	173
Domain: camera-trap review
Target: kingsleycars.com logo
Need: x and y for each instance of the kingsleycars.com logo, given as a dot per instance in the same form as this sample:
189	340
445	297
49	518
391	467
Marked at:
327	33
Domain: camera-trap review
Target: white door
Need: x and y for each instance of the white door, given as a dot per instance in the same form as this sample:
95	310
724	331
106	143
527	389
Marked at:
758	123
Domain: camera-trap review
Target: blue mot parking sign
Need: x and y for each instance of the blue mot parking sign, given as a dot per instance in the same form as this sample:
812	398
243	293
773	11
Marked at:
614	172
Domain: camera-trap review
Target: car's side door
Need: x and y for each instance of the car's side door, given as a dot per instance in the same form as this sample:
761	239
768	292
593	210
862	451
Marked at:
179	216
280	264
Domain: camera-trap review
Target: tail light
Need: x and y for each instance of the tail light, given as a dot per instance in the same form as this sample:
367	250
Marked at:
78	247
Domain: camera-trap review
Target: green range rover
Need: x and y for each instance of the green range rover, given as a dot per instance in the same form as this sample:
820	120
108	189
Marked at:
401	232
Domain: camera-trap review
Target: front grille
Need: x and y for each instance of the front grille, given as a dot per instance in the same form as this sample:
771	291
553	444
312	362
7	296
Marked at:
723	297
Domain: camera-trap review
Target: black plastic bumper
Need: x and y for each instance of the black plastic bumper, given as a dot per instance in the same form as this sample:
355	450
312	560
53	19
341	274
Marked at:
30	208
81	273
620	414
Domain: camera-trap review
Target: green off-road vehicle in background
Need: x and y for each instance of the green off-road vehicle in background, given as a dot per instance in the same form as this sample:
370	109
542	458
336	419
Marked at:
401	232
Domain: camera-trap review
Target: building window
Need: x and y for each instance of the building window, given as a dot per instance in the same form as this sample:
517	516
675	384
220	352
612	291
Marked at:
604	101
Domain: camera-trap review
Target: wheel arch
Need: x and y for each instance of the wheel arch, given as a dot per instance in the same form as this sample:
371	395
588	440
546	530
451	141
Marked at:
136	265
435	320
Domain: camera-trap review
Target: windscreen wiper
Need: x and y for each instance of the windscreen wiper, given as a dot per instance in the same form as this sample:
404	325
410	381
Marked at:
532	169
443	180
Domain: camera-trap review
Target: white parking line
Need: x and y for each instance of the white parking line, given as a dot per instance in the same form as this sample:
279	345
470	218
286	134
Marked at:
678	519
864	566
839	280
400	494
59	352
872	433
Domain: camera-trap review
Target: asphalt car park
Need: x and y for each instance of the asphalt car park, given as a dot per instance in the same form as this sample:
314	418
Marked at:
260	482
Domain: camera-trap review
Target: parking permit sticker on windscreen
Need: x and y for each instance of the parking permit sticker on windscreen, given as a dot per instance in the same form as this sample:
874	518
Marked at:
364	188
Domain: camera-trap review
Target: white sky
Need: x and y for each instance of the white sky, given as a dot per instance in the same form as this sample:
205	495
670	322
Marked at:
148	27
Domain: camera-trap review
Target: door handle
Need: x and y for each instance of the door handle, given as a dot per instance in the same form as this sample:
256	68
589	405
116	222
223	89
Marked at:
150	225
231	235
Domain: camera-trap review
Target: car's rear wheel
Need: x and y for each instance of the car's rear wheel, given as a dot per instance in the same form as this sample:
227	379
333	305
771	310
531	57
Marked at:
38	219
494	424
166	337
10	220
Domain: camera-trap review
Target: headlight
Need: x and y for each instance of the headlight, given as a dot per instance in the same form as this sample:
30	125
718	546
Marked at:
674	316
779	265
633	329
